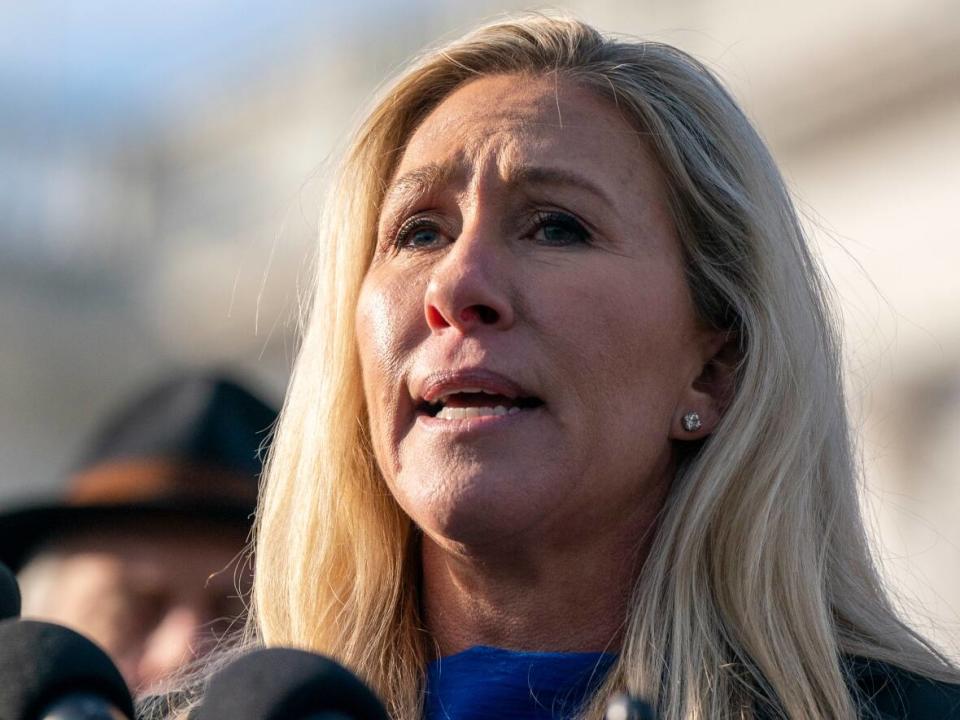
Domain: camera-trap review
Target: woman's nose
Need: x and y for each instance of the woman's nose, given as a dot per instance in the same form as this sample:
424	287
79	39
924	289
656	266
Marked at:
469	288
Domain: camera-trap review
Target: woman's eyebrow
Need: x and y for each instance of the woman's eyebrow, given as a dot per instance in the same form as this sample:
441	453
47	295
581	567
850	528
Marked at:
418	182
424	180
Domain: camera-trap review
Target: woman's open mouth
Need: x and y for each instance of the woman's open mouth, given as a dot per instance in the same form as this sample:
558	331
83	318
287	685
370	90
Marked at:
474	403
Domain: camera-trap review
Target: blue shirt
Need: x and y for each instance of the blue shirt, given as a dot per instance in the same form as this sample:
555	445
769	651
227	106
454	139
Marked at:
485	683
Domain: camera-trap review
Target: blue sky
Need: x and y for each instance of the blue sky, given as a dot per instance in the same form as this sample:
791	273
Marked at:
118	61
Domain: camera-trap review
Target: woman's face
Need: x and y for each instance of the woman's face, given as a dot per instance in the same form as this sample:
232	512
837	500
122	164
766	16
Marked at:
526	334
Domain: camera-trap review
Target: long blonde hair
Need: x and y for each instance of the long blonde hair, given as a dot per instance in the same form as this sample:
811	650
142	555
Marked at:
759	579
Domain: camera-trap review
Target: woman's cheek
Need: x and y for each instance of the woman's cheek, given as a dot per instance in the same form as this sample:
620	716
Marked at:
376	329
386	339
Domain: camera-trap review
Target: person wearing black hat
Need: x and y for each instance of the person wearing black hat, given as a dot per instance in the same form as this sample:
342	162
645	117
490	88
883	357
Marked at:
138	553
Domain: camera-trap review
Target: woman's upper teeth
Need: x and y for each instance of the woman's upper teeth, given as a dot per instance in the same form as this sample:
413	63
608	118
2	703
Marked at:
459	402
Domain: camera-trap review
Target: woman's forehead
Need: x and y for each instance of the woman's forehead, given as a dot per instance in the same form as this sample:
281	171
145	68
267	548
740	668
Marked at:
523	129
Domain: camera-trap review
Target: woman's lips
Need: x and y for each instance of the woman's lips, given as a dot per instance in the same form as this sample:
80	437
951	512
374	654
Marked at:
471	395
441	384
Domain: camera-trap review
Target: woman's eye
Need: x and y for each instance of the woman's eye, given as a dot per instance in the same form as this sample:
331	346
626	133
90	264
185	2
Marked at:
418	233
559	229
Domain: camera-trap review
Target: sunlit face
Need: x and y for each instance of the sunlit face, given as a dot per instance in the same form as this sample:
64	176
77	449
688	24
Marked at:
153	597
526	332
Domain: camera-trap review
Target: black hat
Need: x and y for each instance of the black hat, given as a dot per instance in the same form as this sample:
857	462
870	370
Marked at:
190	447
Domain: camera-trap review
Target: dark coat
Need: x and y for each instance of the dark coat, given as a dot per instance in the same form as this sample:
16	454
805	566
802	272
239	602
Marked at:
888	693
884	692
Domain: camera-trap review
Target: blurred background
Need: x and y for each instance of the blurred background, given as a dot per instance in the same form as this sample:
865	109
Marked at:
161	164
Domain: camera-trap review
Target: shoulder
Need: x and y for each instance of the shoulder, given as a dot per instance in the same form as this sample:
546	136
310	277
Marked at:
885	692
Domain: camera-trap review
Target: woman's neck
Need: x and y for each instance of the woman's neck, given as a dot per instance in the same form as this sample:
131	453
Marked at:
571	596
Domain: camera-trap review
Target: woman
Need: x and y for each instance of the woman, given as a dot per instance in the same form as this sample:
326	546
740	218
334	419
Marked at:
570	385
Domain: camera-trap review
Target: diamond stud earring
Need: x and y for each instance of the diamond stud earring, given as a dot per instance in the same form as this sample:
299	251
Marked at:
691	422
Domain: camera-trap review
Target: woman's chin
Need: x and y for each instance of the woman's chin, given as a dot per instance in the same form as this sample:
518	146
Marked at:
481	508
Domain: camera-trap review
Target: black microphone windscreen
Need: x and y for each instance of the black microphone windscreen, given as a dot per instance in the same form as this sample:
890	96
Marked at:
9	594
41	663
287	684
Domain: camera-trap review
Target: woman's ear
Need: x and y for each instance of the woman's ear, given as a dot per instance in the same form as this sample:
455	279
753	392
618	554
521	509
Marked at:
710	393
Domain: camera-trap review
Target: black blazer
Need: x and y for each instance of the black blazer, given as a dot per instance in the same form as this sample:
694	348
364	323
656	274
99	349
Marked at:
885	692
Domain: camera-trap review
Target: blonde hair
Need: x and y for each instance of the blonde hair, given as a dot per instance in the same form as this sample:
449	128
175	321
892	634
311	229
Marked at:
759	579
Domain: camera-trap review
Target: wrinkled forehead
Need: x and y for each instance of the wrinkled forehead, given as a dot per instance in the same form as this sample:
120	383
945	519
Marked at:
508	125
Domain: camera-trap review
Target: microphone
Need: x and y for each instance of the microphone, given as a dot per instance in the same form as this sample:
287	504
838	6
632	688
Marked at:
9	594
287	684
48	672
